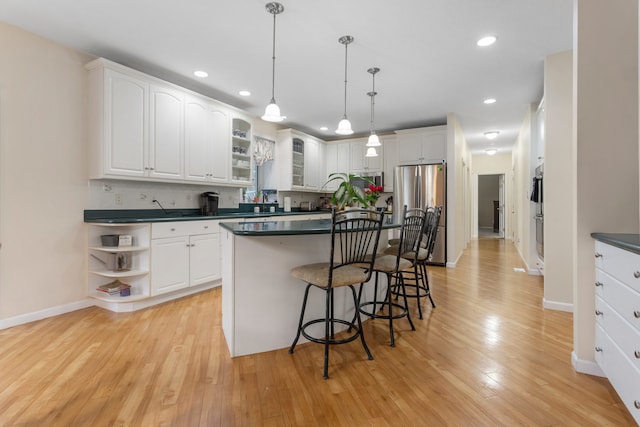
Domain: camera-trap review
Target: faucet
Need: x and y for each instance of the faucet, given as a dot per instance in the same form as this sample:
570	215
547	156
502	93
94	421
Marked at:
264	200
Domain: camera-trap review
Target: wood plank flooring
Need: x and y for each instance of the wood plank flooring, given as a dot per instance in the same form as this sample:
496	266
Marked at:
487	355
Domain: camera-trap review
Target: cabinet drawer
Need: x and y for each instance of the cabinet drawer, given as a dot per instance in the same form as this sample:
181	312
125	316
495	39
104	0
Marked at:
620	297
624	335
161	230
621	264
624	377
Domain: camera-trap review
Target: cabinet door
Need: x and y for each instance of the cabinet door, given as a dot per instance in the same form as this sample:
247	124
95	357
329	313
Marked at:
356	156
312	163
390	162
204	258
298	162
197	151
410	148
220	142
434	146
166	142
169	264
126	119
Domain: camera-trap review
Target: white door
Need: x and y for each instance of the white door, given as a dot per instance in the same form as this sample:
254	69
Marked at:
166	135
169	264
219	145
197	165
204	258
501	205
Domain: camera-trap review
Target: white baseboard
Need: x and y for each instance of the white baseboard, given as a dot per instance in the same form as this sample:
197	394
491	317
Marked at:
534	272
586	366
558	306
43	314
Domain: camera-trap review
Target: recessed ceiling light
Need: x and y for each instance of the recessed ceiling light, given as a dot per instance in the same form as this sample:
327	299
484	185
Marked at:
324	128
490	101
487	41
491	151
199	73
492	134
244	93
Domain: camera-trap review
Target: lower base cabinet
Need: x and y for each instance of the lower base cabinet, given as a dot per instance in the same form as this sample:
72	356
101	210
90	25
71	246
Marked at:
184	254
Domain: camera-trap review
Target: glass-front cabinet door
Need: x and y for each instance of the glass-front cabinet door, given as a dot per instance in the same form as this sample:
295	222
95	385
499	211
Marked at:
297	163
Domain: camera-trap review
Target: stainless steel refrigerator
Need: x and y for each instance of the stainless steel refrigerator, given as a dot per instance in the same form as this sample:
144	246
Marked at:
418	186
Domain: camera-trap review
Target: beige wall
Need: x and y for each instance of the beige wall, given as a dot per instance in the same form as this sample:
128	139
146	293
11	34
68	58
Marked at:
521	217
559	177
43	185
499	164
605	120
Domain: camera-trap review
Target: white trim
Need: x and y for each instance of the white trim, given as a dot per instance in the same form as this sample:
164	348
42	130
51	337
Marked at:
586	366
558	306
43	314
534	272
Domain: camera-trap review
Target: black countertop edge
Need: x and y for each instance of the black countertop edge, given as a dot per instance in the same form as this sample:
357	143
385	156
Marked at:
125	216
628	242
284	228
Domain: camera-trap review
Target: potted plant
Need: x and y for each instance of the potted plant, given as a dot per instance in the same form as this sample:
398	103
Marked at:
348	194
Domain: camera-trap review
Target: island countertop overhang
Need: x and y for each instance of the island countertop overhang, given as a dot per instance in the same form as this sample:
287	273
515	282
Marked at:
284	228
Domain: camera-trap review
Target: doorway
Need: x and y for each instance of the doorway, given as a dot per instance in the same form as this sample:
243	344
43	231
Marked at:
490	207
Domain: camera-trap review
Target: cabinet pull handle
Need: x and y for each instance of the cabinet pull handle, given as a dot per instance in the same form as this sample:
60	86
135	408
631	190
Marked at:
636	403
598	313
206	226
636	314
598	349
598	255
636	274
599	283
173	229
637	354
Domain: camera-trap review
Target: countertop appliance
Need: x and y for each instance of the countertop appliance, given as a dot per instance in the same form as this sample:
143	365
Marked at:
209	203
308	206
376	177
537	196
418	186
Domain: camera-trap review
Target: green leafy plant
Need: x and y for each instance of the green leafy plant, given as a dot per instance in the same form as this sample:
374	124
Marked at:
348	194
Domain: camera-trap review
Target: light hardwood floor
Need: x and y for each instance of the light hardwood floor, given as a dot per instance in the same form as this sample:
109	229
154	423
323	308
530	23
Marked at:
487	355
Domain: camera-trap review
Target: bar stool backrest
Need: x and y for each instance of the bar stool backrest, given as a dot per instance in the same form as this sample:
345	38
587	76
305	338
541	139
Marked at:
431	229
354	239
412	231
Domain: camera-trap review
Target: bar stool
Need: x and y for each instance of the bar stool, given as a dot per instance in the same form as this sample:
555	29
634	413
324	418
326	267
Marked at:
418	277
392	265
354	243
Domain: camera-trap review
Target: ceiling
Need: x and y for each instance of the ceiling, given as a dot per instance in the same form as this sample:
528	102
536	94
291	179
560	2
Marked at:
426	50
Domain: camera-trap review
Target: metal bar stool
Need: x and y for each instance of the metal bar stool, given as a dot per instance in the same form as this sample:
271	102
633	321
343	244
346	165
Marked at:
392	263
354	243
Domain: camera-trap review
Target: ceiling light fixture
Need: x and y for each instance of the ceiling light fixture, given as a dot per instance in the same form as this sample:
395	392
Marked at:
244	93
324	128
373	140
344	127
487	41
201	74
272	112
490	101
492	134
491	151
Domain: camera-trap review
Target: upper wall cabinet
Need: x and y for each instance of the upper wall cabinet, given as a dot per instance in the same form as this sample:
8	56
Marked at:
359	162
241	150
299	161
145	128
422	145
337	161
390	147
206	141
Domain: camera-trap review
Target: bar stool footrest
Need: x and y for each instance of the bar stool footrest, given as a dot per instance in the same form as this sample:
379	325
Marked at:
352	327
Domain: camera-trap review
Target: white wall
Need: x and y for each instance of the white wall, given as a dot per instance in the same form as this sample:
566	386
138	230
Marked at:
605	120
43	185
559	182
521	213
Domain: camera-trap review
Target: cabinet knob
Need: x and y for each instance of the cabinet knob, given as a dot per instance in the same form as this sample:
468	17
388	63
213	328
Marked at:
206	226
173	229
599	283
598	313
598	255
598	349
637	354
636	314
636	274
636	403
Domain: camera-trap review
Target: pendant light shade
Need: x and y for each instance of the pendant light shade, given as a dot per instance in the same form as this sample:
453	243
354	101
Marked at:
371	152
272	112
344	127
373	140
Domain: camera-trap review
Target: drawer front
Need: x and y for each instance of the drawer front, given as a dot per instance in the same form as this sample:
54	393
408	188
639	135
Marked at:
620	297
621	264
624	377
160	230
624	335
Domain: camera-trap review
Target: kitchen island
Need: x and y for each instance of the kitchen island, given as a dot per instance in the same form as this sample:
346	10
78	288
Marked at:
261	301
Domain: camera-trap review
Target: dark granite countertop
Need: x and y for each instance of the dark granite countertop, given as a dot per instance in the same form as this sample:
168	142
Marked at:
628	242
283	228
128	216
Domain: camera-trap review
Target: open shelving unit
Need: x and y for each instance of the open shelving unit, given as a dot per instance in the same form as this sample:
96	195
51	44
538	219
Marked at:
241	150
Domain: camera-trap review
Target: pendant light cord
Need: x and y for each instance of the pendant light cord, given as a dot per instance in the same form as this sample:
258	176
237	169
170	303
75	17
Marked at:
273	62
373	94
346	46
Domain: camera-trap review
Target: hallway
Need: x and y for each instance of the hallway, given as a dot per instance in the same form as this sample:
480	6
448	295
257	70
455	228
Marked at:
487	355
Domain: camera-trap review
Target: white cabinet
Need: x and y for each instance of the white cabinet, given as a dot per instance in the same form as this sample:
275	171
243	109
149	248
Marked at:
359	162
184	254
241	154
207	141
422	145
390	147
166	133
337	161
299	161
617	334
128	264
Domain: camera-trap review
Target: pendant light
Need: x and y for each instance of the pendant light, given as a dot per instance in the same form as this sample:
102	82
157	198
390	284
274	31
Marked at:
272	112
344	127
373	140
